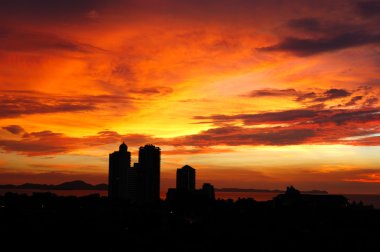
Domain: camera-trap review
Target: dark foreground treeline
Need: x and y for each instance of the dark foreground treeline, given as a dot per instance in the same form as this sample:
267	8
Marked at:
46	222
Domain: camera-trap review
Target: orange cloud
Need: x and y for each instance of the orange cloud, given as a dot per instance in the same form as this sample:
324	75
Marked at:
77	77
368	178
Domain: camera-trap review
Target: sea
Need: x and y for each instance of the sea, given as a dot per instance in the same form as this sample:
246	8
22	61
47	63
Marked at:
366	199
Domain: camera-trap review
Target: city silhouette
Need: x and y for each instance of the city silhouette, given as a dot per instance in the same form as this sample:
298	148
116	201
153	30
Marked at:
134	218
141	182
138	183
189	125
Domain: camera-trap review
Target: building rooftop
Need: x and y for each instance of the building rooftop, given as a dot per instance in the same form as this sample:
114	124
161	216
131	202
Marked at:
187	167
123	147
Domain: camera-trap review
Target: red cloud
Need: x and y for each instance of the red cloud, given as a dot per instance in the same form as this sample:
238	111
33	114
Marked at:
14	129
17	103
335	127
299	116
49	143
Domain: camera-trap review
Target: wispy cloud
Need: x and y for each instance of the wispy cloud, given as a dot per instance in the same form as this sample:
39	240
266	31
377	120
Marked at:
18	103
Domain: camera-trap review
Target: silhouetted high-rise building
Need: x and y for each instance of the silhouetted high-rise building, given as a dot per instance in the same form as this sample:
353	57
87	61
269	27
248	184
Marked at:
208	191
119	167
185	192
149	173
138	183
186	178
132	182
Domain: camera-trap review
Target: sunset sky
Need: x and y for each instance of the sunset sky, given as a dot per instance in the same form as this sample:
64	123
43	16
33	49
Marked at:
252	94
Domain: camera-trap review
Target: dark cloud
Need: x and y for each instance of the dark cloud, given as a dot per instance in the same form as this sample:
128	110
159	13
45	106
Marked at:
305	24
235	136
38	143
14	129
263	118
14	106
180	150
278	117
11	40
315	100
340	117
353	100
368	9
306	96
41	10
17	103
324	33
276	136
46	142
301	96
243	13
272	92
323	27
368	141
299	127
226	44
371	101
332	94
306	116
317	106
152	90
329	94
282	136
312	46
123	70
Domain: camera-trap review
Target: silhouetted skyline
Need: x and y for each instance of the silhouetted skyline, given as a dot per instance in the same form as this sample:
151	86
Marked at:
139	183
186	221
106	106
254	93
185	179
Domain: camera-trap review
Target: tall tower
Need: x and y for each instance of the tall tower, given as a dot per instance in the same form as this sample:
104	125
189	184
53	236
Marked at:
186	178
149	173
208	191
119	167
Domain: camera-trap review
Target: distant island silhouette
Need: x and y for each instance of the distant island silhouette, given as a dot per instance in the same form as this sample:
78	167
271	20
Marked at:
82	185
265	190
70	185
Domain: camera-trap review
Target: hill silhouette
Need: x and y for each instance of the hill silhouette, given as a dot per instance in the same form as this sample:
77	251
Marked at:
81	185
71	185
233	189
